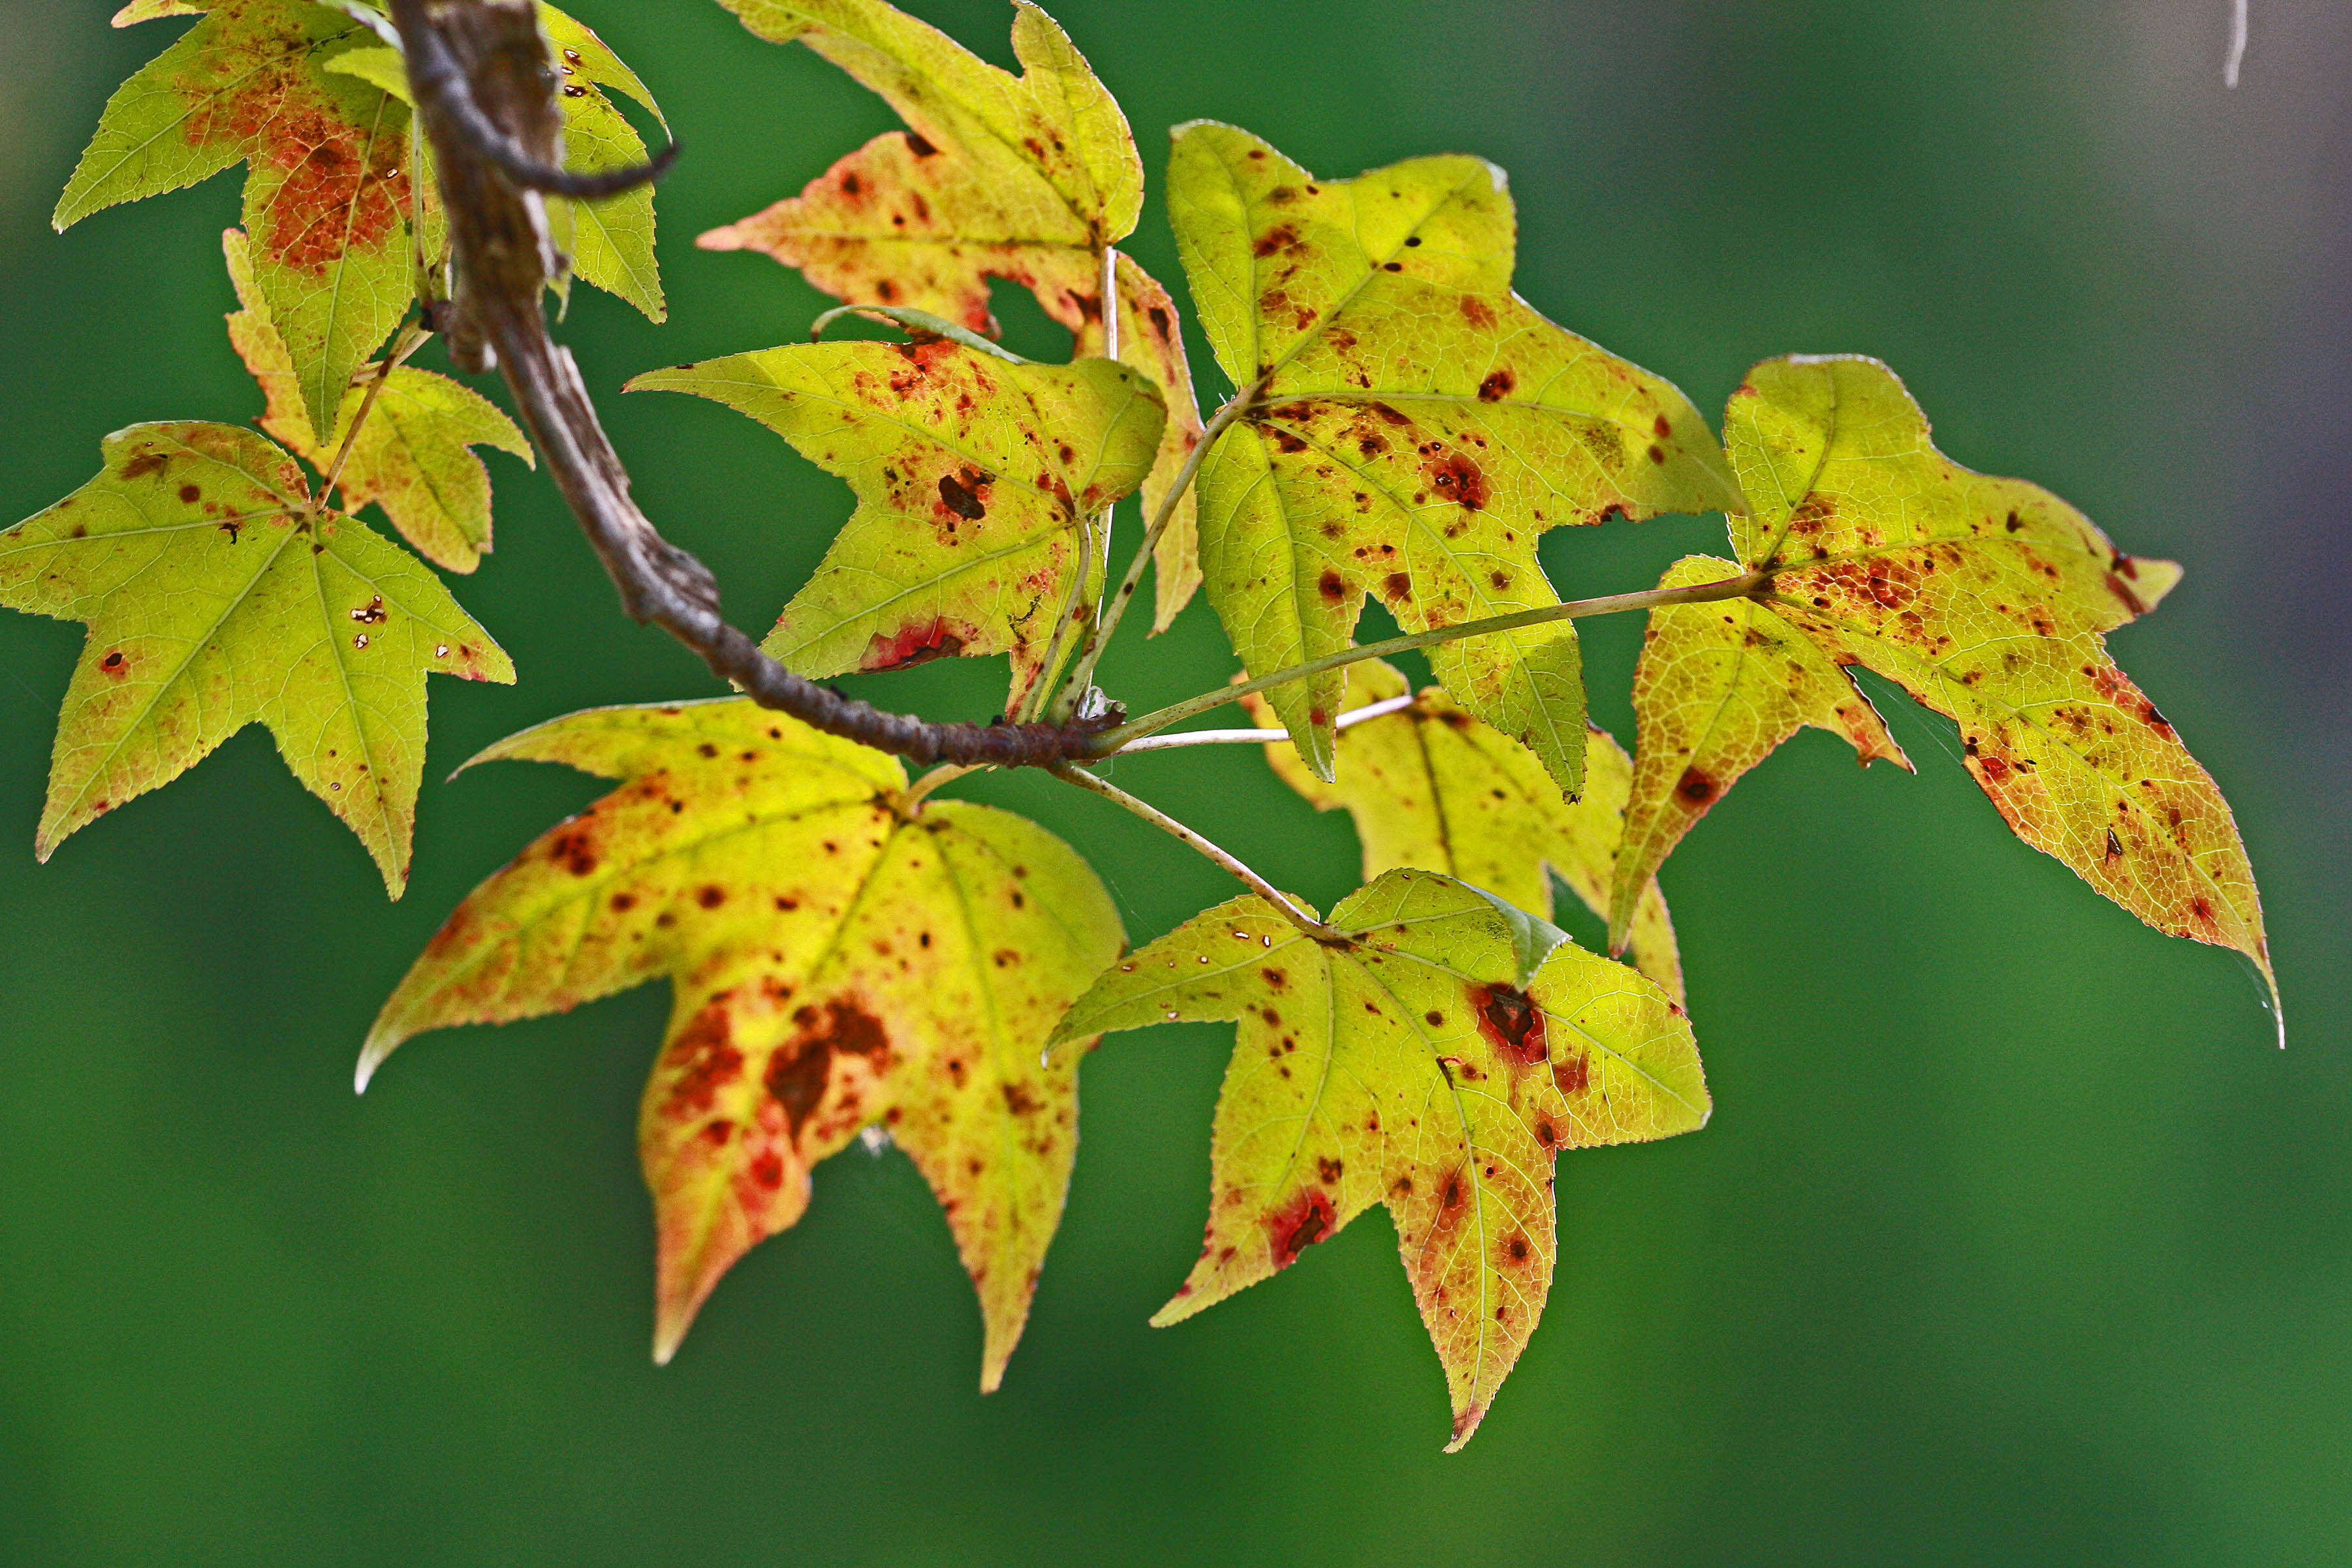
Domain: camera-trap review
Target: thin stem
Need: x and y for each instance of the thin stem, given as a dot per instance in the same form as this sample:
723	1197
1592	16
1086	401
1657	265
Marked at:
1113	739
2237	44
1047	690
401	348
1353	716
910	801
1161	820
1116	607
1110	301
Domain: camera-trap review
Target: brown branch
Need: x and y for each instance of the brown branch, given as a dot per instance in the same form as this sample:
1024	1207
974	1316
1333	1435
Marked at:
485	93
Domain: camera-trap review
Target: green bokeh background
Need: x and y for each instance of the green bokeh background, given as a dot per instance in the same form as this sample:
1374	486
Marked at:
2014	1239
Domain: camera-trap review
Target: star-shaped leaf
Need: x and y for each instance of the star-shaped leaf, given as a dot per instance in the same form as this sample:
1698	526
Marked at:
1433	1061
1028	178
1430	785
1414	428
411	456
327	197
609	242
977	475
1718	688
835	964
1986	599
215	599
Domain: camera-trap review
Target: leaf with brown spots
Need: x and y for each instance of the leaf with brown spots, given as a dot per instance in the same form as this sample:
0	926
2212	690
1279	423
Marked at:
610	242
1417	427
833	965
1430	785
980	478
327	198
1027	178
215	599
1988	600
412	458
1718	688
1434	1061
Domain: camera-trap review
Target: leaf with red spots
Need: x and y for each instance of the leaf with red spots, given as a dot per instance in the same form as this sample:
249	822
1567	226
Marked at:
1416	427
412	458
1987	599
610	241
981	479
1434	1061
215	599
327	198
834	965
1028	178
1718	688
1430	785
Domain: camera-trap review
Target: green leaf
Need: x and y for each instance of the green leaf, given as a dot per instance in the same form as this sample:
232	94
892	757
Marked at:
139	11
834	965
216	600
1988	600
612	239
327	198
411	458
1415	428
1718	688
975	478
1430	785
1406	1067
1026	178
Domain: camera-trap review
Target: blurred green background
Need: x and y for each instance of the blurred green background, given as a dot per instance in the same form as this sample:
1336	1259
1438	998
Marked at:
2014	1239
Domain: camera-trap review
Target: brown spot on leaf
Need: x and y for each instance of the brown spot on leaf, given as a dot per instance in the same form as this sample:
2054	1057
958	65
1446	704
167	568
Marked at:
961	493
1573	1075
802	1068
1454	475
1331	586
1511	1022
1298	1225
1695	788
1496	387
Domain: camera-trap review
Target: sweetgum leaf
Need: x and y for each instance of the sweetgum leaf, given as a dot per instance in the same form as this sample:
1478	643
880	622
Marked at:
1417	1065
215	599
1718	688
1026	178
1416	427
610	242
834	965
975	476
1988	600
411	458
149	10
1430	785
613	239
327	197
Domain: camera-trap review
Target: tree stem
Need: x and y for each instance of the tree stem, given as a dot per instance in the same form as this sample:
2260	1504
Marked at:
1110	741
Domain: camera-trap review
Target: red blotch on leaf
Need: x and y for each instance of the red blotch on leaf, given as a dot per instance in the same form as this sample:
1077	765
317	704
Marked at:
1298	1225
1511	1022
918	644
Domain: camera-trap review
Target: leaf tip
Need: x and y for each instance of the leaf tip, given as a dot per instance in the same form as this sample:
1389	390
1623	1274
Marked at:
381	1043
726	237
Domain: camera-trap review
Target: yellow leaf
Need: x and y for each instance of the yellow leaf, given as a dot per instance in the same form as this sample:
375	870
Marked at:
1430	785
1414	428
834	965
1436	1061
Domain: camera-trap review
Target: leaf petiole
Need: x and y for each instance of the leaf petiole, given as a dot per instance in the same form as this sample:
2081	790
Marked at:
1282	902
1110	741
1115	606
